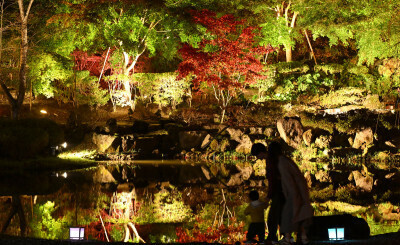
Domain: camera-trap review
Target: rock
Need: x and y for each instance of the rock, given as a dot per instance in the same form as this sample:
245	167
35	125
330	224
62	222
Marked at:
243	139
140	127
166	112
111	126
244	145
235	180
364	182
269	132
259	168
235	134
323	141
394	142
206	172
191	139
214	145
291	131
206	141
363	139
102	175
309	178
127	143
245	171
225	145
351	141
103	141
307	137
255	130
323	176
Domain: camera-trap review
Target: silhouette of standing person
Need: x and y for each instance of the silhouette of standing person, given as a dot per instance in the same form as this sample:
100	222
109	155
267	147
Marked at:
274	192
297	211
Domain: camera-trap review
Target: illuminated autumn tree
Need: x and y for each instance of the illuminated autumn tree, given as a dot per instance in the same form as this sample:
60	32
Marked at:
226	59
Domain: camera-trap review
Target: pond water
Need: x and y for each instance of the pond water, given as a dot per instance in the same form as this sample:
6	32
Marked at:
161	201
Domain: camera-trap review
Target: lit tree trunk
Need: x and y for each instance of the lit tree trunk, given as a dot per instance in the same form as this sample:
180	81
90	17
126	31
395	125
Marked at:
288	49
16	104
128	70
283	10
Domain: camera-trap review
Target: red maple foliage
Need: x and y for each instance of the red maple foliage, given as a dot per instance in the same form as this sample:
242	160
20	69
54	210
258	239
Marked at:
228	59
229	234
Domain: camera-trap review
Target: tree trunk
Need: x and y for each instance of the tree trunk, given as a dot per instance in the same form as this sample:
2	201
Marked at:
16	104
288	49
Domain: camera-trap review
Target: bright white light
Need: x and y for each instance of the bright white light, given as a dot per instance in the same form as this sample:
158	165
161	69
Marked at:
43	111
76	233
340	233
336	233
64	175
64	144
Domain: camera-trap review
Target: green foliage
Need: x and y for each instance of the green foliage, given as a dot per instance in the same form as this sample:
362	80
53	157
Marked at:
43	224
378	227
264	87
166	207
307	153
117	233
276	33
356	69
313	84
45	69
290	67
88	90
343	96
329	68
292	86
163	88
321	195
168	236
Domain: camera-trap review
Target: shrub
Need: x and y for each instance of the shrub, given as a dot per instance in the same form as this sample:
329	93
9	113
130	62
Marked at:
290	67
344	96
329	68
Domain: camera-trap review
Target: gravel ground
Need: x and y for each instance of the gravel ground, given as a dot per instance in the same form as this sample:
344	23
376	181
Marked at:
385	239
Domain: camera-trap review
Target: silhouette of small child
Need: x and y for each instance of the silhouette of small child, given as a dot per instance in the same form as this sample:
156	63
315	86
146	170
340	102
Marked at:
256	211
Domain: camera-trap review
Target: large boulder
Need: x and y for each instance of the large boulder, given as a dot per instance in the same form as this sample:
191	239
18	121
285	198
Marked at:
102	175
291	131
308	137
244	145
103	141
235	134
363	138
323	141
244	141
363	181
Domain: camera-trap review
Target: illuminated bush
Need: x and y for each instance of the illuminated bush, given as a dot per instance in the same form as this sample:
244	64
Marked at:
43	224
166	207
162	88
